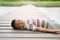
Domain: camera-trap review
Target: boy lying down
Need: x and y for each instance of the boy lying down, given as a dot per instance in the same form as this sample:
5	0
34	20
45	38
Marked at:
33	25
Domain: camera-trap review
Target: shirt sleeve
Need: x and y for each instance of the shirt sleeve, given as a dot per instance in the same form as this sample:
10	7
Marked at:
30	25
38	23
44	23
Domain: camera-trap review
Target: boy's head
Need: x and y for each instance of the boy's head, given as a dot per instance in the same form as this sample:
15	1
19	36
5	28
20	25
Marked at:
17	24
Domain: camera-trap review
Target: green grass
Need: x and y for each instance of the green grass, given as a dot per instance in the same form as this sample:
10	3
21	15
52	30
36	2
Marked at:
38	3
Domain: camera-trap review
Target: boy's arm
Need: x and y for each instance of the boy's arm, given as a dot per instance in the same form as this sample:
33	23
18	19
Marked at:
45	30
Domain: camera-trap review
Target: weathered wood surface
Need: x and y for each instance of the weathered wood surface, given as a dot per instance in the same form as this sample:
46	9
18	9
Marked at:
7	33
10	34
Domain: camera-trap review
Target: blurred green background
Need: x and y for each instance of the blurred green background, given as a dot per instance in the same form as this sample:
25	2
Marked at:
48	3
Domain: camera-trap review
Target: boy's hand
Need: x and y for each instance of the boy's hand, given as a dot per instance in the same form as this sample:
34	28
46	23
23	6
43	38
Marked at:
58	31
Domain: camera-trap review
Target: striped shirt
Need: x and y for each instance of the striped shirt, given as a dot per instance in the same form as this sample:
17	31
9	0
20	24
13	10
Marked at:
31	24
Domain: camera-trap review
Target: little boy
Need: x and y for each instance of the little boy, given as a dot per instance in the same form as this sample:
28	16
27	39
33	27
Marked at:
33	25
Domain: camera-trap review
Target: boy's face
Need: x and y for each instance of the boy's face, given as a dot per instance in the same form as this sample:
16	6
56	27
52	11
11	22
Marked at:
19	24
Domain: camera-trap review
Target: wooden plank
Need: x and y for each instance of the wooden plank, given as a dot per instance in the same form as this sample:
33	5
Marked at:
5	28
4	24
29	39
27	35
14	31
4	21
